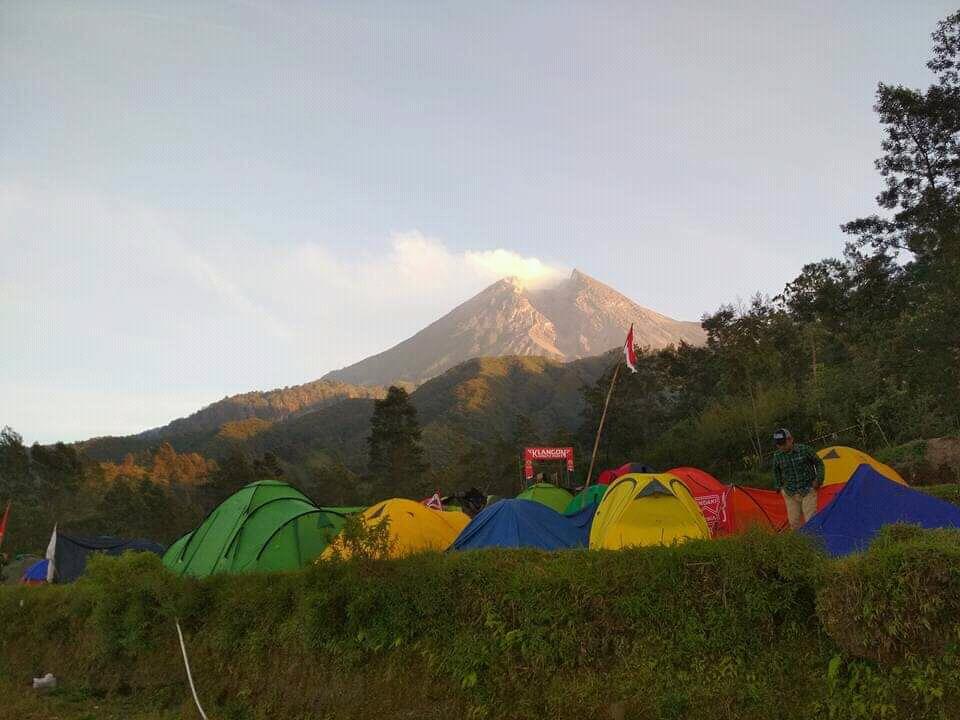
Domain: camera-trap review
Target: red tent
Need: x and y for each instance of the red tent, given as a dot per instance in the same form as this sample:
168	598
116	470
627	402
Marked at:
827	493
633	467
698	482
606	477
746	507
730	509
709	493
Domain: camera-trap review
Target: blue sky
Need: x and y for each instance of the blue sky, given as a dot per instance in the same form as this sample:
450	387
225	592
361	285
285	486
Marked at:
199	199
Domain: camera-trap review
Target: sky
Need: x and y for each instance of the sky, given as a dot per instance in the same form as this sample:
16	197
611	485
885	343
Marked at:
204	198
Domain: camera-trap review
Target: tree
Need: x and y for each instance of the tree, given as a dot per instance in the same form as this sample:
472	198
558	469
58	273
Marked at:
921	161
268	466
396	463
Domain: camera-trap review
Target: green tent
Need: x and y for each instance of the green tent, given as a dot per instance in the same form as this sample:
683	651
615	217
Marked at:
265	526
547	494
591	495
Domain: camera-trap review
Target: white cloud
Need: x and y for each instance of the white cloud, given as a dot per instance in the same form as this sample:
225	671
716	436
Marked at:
107	299
500	263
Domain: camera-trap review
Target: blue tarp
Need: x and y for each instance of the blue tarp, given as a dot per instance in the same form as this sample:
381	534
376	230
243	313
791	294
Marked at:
524	523
867	503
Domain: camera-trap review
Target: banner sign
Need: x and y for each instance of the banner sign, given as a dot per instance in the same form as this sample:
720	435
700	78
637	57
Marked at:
532	454
714	509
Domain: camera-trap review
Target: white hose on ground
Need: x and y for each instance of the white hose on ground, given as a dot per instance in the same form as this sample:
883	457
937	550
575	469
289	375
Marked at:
186	664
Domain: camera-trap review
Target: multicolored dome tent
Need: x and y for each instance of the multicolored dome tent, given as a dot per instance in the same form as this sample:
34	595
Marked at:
840	463
591	495
265	526
412	528
867	502
548	494
646	510
522	523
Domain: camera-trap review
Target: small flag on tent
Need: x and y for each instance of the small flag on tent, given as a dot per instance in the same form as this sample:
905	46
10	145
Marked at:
435	502
3	523
630	351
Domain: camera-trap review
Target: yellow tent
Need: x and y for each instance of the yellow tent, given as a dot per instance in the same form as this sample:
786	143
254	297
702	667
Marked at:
646	510
413	527
841	462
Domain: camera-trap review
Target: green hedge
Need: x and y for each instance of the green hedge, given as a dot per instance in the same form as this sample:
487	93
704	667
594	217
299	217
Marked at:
722	629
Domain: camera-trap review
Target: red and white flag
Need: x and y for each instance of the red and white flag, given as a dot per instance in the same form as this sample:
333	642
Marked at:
3	523
630	352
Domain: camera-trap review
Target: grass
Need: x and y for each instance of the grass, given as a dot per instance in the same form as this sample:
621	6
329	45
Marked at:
758	626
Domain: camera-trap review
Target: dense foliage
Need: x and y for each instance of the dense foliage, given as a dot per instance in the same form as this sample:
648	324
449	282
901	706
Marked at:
760	626
157	494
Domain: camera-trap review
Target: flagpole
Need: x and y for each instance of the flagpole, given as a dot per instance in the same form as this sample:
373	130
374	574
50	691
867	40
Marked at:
603	416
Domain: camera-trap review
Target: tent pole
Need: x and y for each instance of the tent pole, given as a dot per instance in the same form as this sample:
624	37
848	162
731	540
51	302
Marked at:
603	416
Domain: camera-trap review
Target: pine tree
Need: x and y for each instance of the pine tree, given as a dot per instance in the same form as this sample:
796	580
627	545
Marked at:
397	464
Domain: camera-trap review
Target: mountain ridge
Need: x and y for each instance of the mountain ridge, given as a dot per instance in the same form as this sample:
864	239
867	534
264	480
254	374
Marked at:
575	318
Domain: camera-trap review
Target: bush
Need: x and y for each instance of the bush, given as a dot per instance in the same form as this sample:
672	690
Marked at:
900	599
725	629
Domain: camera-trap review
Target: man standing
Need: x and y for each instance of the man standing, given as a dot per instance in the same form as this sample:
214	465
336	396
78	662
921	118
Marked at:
797	473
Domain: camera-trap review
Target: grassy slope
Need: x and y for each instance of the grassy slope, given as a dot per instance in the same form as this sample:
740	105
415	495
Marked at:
753	627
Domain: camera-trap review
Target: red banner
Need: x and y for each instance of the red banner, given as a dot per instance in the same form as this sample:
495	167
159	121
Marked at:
532	454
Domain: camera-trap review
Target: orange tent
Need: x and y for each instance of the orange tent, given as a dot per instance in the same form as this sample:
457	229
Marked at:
747	507
730	509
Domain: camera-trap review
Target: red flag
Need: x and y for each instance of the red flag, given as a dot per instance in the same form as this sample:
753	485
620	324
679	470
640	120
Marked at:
3	523
630	351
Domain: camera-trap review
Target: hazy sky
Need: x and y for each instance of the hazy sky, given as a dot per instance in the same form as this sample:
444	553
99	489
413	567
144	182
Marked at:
199	198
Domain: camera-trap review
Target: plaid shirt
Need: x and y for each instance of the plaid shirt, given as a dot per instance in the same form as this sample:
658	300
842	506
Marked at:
798	470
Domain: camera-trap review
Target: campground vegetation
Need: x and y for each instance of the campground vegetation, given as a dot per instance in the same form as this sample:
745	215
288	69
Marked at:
758	626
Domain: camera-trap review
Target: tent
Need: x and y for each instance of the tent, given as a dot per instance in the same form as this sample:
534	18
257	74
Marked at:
868	502
698	482
646	509
709	493
590	495
413	527
547	494
264	526
36	574
633	467
522	523
730	509
746	507
606	477
67	555
840	463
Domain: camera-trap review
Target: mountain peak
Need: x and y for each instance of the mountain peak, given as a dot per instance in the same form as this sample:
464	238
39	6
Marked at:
575	318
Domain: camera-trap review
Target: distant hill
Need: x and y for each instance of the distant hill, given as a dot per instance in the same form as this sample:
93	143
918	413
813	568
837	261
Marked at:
235	418
577	318
477	401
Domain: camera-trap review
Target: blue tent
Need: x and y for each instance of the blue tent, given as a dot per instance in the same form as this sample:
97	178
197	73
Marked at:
524	523
68	555
36	573
867	503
